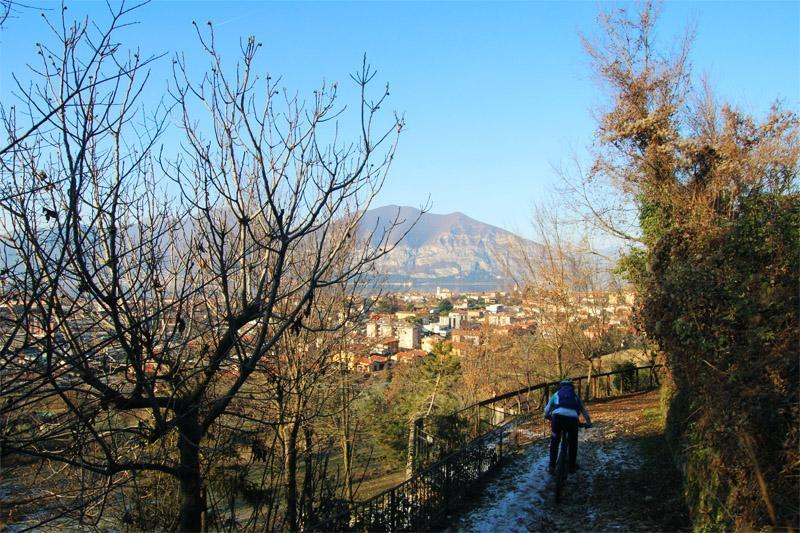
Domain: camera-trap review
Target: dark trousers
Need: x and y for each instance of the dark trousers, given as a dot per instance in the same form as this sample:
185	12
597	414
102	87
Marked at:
559	425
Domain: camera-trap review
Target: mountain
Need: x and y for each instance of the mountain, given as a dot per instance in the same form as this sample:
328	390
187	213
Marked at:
445	248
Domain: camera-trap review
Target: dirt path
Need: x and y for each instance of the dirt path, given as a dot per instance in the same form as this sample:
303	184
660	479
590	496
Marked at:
625	482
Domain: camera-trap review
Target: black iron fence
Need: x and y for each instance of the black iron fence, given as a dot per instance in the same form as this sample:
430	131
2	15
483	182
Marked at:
496	427
484	416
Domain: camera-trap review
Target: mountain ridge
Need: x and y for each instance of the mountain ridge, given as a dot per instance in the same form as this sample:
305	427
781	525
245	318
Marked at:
446	247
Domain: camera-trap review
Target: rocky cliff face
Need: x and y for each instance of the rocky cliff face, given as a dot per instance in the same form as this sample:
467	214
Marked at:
452	246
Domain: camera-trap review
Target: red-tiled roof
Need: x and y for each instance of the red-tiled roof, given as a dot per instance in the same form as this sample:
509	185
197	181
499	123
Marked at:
412	353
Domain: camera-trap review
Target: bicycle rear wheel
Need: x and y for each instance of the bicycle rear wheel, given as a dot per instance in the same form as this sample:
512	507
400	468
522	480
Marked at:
561	469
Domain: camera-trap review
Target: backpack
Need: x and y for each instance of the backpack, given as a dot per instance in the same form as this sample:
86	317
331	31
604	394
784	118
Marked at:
567	398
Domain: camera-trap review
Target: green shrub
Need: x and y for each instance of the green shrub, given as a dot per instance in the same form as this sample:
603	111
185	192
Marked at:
722	302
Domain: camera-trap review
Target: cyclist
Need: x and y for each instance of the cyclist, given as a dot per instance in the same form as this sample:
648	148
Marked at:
563	410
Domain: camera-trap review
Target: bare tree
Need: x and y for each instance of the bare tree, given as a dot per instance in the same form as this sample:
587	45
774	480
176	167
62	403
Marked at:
303	385
6	6
567	286
137	311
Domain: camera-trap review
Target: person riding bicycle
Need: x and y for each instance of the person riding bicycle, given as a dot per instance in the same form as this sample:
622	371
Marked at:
563	410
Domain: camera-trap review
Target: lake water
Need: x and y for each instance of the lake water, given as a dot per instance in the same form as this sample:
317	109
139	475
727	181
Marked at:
456	286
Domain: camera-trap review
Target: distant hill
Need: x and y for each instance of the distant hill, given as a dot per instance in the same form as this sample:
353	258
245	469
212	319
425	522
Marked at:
446	248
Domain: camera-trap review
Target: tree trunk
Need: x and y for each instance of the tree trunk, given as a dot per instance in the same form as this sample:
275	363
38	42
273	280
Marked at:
559	361
347	467
192	506
290	474
347	452
589	380
412	448
307	503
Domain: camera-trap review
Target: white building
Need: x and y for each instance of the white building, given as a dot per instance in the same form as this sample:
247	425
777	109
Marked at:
437	329
409	335
385	329
372	329
474	314
500	320
455	320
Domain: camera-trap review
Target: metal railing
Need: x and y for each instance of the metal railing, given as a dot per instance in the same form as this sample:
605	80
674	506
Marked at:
486	415
498	426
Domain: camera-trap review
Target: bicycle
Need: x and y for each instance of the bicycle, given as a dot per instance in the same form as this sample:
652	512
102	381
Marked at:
562	470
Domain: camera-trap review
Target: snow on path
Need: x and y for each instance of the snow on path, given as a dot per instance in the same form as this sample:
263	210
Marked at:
520	498
511	500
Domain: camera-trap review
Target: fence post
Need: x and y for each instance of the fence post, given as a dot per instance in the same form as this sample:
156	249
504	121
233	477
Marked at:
501	444
636	380
393	510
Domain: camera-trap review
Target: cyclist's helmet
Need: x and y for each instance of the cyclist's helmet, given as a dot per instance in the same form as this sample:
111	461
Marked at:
565	381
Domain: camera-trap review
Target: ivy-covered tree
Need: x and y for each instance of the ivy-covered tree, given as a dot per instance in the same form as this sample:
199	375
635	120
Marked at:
709	197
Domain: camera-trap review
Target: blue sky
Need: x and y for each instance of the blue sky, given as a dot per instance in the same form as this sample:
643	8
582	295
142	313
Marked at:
494	94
